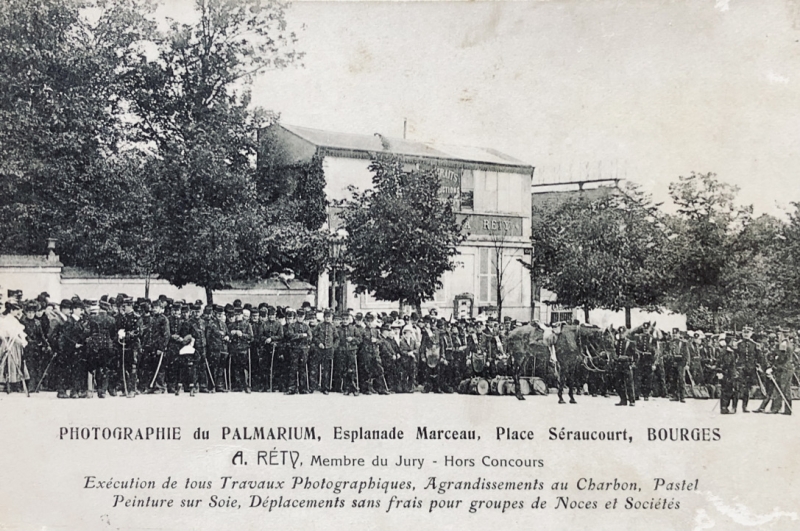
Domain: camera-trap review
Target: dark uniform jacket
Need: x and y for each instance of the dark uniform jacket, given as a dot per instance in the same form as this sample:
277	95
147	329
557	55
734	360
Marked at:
350	337
326	335
298	335
216	331
240	344
157	337
132	324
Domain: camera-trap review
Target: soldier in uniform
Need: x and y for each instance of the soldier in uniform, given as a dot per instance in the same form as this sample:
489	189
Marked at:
170	366
727	376
241	334
193	332
389	353
217	347
37	350
492	345
156	339
624	349
129	332
370	366
191	336
100	347
326	338
782	371
645	359
73	341
350	336
746	363
681	349
430	347
298	338
273	352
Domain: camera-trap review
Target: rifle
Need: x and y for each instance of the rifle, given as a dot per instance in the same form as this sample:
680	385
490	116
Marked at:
271	362
44	374
778	387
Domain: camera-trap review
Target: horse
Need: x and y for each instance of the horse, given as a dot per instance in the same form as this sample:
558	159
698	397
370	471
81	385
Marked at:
531	342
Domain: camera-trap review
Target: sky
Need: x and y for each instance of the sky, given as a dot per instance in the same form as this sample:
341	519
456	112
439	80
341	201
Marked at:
645	90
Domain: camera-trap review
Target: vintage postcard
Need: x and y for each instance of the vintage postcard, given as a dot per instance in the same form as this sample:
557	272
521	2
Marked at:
399	265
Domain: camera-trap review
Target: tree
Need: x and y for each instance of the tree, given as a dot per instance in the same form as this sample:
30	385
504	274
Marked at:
701	246
601	251
60	111
401	236
192	105
499	266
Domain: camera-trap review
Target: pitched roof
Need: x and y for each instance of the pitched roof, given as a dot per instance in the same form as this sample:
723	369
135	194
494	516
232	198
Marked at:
398	146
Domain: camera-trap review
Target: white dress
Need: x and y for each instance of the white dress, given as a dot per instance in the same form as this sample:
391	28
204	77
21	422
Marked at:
12	344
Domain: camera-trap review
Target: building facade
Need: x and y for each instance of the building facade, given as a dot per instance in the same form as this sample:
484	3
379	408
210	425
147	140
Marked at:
491	190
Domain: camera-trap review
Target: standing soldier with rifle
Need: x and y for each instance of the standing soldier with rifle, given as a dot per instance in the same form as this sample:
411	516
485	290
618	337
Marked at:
217	348
100	346
129	332
156	338
747	360
73	341
273	350
350	342
298	338
781	375
326	337
624	349
241	334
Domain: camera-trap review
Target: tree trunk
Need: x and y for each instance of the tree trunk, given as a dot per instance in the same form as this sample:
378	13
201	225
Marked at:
628	318
586	314
209	296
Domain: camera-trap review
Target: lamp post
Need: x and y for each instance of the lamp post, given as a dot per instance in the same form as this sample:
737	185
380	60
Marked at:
337	245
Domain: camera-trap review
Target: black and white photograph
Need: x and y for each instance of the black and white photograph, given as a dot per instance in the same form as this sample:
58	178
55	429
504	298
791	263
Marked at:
390	265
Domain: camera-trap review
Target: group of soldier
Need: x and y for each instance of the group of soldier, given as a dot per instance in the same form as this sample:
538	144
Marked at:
118	345
730	365
131	347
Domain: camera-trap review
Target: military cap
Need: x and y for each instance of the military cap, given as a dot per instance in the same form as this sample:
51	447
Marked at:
238	310
359	316
305	304
90	302
272	311
290	312
195	307
104	305
262	311
369	317
385	327
327	312
414	316
78	304
218	308
207	310
127	300
104	298
310	314
31	306
176	306
229	308
162	297
66	303
144	306
237	303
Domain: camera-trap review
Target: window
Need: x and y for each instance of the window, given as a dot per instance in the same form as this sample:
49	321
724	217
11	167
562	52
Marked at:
467	190
487	276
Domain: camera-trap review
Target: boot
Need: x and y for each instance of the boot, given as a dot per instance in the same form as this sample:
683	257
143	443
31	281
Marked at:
178	389
193	391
